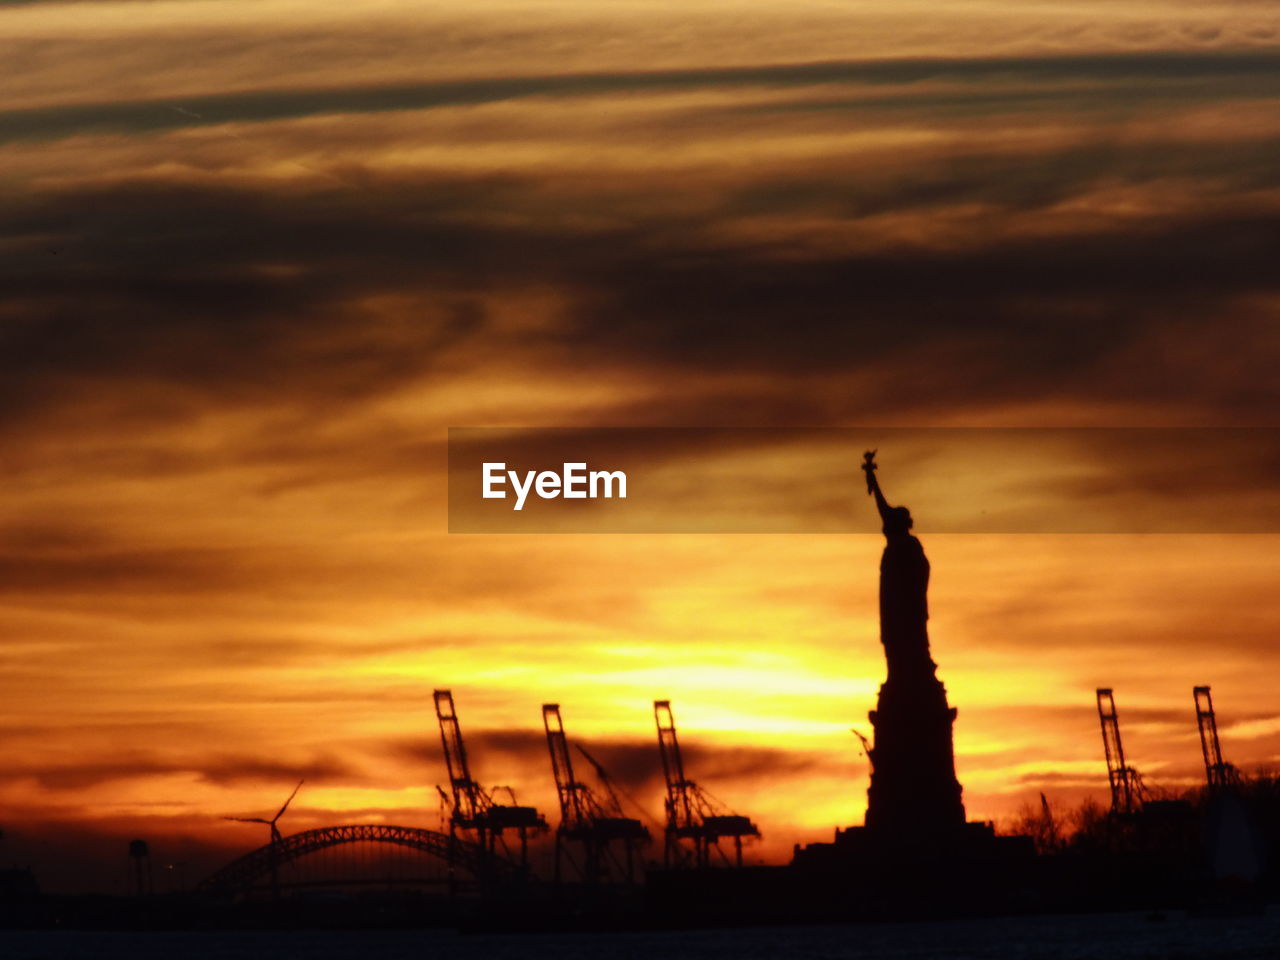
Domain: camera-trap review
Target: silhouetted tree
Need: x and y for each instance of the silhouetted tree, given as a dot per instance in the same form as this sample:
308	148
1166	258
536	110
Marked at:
1041	824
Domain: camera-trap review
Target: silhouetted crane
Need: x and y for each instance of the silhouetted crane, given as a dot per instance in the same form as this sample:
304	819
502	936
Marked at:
594	826
692	813
1218	773
473	808
1126	785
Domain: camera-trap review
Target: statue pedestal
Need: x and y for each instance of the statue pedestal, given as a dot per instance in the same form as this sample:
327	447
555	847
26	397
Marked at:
914	795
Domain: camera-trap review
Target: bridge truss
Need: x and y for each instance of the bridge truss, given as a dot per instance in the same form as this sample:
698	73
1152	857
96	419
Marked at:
244	873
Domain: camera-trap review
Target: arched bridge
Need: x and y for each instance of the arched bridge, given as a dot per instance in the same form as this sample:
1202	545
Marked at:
242	873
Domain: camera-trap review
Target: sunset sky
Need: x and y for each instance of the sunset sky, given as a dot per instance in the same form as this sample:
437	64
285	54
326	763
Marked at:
259	257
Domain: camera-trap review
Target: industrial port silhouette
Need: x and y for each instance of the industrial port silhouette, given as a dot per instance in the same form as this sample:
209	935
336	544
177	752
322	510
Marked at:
616	865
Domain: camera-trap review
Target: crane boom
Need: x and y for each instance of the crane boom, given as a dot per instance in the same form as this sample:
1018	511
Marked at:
568	789
473	807
680	806
606	781
469	800
1218	773
597	833
692	814
1121	777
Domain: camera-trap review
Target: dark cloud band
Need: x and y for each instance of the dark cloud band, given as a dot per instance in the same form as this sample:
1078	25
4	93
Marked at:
1256	72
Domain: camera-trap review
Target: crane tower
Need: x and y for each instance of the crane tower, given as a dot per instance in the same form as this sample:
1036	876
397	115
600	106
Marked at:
473	808
607	840
692	814
1218	773
1126	787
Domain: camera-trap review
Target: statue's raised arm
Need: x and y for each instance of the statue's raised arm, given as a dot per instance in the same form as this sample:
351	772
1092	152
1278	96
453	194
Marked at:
896	520
873	485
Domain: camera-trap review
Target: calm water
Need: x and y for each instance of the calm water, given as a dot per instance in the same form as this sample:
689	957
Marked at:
1122	937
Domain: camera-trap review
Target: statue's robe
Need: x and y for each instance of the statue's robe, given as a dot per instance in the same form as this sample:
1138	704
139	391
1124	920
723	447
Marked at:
904	606
914	795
